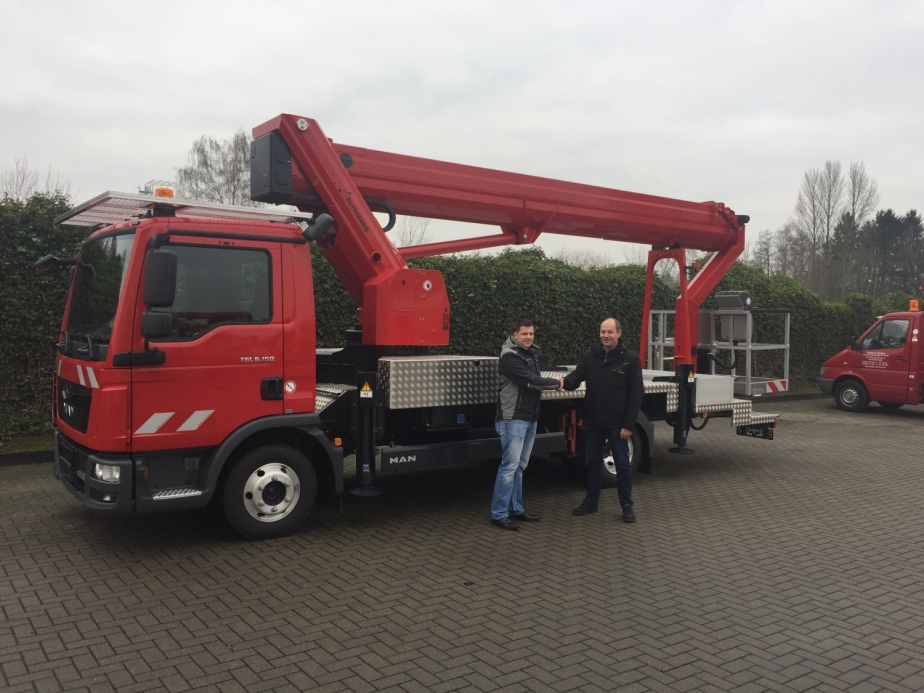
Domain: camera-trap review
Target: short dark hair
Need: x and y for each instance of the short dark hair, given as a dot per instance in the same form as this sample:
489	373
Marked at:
521	322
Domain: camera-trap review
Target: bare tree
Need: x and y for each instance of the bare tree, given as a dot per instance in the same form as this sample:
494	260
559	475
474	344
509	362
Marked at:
635	254
412	231
666	270
20	182
583	259
830	211
760	251
218	171
818	208
862	193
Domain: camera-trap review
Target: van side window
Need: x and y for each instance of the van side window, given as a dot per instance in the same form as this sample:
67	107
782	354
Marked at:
889	334
216	286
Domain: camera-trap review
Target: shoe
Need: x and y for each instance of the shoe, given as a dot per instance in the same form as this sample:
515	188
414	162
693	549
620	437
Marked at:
585	508
628	515
506	523
525	517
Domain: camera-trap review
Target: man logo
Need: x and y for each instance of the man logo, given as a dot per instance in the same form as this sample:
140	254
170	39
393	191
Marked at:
402	459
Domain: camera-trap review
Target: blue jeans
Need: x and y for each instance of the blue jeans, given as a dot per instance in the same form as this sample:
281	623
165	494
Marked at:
595	439
516	443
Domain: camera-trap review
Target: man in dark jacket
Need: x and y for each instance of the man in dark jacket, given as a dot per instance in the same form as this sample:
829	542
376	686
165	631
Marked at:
520	389
614	394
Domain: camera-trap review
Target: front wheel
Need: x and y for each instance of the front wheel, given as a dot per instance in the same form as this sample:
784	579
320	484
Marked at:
270	492
850	395
609	461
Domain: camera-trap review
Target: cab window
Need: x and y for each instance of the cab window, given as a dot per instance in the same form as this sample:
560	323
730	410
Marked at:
217	286
889	334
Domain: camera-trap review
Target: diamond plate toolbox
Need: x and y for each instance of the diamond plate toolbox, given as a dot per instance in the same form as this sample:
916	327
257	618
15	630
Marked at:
437	381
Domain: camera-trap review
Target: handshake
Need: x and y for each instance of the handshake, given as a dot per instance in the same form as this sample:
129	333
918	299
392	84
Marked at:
561	384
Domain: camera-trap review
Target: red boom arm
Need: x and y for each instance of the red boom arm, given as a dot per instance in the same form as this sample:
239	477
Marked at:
395	307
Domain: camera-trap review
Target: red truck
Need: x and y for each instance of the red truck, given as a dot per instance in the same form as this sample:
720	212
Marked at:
187	370
885	364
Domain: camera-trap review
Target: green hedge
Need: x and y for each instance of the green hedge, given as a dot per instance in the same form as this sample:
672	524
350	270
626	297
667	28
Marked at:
487	293
31	309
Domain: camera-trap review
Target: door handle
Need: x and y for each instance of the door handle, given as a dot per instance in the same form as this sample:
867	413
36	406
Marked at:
901	358
271	388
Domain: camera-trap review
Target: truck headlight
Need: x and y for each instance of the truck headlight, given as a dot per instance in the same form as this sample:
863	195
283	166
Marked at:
822	371
106	472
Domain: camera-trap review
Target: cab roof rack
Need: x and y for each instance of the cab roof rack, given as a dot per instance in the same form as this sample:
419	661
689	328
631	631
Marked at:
113	207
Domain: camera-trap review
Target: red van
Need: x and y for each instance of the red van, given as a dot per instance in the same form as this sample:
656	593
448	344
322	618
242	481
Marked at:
885	364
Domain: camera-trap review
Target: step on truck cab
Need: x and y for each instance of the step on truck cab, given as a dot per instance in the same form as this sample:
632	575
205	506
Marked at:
885	364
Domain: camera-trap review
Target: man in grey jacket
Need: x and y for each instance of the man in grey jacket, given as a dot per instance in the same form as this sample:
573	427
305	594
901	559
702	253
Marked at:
519	393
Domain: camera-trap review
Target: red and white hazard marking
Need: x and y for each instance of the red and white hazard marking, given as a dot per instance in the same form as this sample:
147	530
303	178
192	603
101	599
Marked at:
156	421
776	386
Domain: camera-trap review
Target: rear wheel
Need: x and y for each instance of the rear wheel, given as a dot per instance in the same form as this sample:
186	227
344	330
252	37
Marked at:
270	492
891	405
850	395
609	461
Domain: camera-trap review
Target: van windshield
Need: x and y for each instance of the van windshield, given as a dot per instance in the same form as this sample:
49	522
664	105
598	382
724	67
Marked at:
98	280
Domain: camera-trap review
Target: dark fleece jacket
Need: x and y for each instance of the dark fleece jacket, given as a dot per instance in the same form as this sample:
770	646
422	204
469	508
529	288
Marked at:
521	384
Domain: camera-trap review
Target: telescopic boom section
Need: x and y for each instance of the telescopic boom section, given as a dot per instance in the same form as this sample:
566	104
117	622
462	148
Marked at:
348	182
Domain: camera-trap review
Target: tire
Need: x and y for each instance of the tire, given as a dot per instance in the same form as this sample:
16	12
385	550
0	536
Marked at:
850	395
609	463
891	406
249	501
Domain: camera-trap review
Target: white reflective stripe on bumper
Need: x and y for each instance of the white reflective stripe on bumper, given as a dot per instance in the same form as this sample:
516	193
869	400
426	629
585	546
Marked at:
153	424
92	376
80	375
196	420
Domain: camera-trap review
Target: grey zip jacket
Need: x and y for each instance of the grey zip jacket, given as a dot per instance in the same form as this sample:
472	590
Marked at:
521	384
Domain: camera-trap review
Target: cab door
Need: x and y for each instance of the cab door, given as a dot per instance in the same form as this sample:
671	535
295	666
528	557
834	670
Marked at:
224	358
884	358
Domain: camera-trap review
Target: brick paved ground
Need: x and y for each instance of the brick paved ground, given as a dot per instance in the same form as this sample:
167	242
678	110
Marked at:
786	566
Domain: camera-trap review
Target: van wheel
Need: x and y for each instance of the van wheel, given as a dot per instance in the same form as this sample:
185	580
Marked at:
270	492
609	461
850	395
890	406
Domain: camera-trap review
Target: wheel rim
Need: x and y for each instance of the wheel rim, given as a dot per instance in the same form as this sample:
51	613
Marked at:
609	460
271	492
849	396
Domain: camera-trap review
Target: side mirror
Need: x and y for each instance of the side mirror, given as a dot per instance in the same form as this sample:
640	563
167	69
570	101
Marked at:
159	279
49	262
853	344
156	325
318	227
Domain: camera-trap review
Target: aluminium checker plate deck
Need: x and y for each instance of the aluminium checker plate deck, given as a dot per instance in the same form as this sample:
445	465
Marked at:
412	382
327	393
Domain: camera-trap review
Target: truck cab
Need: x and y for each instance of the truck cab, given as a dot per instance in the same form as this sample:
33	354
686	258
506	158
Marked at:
188	343
885	364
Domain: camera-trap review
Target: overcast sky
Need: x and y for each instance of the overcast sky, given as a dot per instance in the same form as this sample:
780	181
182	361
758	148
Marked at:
725	101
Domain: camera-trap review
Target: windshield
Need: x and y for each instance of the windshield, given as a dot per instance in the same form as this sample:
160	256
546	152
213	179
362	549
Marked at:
98	280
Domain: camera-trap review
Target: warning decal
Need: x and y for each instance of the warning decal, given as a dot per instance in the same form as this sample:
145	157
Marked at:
365	390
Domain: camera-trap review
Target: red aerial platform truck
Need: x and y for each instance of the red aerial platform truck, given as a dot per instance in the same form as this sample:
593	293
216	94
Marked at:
187	369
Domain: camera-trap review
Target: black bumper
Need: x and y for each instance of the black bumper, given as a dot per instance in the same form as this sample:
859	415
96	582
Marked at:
74	467
826	385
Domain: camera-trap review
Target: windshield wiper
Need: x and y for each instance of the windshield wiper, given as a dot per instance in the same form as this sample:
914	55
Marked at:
88	346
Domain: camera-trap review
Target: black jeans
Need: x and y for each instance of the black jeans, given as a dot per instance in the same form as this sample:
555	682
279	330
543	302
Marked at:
595	439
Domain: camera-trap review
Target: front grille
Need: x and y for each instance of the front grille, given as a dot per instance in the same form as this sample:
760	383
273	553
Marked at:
74	404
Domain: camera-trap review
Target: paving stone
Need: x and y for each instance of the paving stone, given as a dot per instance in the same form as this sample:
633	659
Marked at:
755	566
